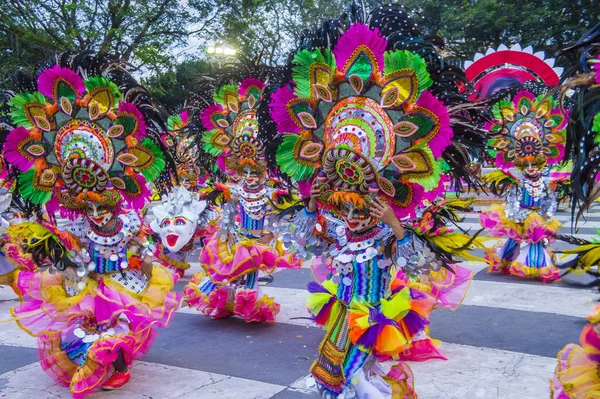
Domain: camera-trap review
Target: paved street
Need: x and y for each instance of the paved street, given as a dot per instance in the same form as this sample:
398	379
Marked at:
500	344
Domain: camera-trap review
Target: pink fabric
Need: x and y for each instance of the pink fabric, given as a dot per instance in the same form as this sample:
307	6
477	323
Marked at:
491	221
246	259
451	291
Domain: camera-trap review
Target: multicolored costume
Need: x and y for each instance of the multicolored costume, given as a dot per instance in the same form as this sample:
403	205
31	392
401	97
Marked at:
361	127
84	151
246	242
528	133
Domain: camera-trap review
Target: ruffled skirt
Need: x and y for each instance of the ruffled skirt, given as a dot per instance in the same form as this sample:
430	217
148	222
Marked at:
224	264
365	360
81	335
525	252
577	373
220	301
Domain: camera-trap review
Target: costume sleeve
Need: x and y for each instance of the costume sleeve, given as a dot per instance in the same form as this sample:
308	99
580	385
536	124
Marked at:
228	218
513	205
550	203
299	237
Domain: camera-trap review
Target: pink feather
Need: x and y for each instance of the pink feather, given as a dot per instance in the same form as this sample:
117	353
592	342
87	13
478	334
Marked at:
220	162
442	139
355	36
501	163
521	94
249	83
138	201
279	111
131	110
46	81
206	116
304	188
11	152
185	117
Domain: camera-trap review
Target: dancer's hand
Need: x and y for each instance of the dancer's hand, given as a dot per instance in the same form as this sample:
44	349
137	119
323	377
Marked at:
230	239
267	238
315	191
382	211
147	266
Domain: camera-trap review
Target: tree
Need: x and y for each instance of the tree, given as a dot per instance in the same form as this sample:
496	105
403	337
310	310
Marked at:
142	31
178	84
470	26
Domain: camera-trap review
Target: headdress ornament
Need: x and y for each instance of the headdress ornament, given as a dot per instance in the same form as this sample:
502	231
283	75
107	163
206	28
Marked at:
528	129
76	140
504	67
363	114
231	123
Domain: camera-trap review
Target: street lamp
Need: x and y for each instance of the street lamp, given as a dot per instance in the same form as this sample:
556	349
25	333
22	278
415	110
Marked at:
221	51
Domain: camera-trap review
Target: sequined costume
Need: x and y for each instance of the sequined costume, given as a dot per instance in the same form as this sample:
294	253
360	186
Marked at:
364	134
529	133
246	242
85	152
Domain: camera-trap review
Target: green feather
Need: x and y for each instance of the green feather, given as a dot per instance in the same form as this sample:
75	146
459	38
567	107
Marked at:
402	59
153	171
17	105
596	127
303	60
172	121
28	191
552	100
98	81
287	162
496	108
219	96
208	146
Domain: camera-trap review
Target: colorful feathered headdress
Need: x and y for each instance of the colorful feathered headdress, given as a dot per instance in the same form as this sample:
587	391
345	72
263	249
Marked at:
364	117
528	129
231	123
77	140
182	146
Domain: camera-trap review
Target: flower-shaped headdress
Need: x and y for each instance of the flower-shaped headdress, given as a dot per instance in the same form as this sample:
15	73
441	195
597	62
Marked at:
76	140
182	146
528	129
232	124
363	116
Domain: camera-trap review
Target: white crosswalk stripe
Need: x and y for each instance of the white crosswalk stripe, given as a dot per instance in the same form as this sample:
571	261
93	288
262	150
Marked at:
484	361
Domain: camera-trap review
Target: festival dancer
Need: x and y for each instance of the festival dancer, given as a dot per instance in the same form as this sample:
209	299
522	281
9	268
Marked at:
85	151
246	242
529	134
177	221
362	131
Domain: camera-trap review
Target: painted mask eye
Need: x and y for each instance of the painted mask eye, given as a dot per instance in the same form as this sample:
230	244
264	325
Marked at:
180	221
165	223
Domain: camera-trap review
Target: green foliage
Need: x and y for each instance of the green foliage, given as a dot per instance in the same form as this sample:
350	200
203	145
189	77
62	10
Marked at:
470	26
178	83
142	31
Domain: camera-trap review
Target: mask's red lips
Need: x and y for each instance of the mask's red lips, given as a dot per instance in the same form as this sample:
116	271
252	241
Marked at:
172	239
352	224
98	220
